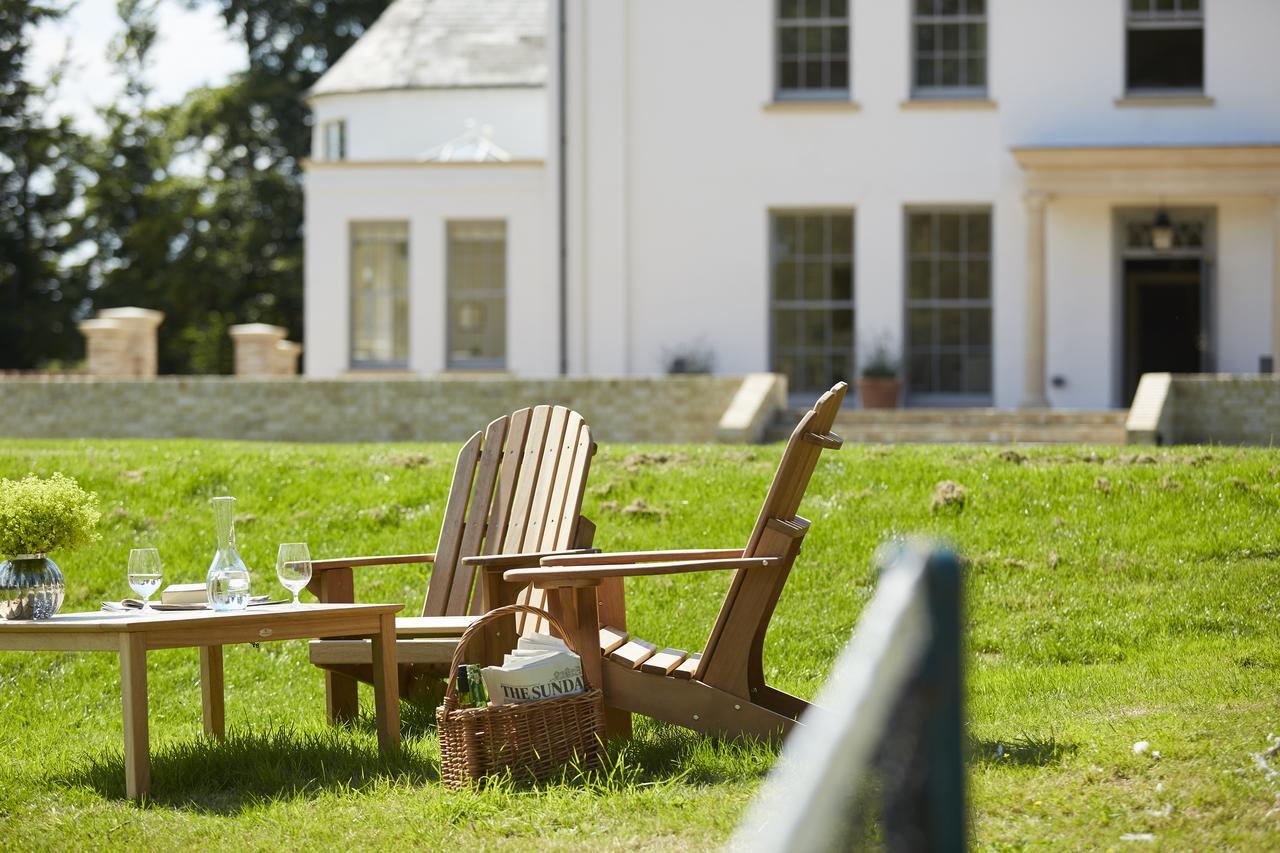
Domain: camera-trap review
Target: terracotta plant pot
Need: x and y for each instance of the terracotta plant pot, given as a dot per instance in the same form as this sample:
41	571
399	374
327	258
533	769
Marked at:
879	393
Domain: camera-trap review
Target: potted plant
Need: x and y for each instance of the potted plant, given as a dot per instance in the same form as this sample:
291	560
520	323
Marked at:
38	516
879	387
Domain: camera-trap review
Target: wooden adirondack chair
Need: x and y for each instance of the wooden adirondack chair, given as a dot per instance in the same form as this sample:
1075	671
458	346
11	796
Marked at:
516	496
722	690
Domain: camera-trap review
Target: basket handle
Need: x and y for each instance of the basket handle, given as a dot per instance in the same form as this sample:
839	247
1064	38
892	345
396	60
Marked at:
451	692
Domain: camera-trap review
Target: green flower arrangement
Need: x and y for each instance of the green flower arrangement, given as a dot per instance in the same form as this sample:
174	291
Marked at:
42	515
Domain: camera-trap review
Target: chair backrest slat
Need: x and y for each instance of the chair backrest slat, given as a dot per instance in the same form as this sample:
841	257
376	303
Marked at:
526	481
749	603
449	544
560	531
482	494
549	463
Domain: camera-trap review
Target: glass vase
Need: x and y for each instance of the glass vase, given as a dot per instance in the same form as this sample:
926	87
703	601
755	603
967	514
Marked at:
227	583
31	587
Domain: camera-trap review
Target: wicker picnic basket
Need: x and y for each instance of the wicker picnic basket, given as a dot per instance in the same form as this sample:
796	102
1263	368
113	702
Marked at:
534	740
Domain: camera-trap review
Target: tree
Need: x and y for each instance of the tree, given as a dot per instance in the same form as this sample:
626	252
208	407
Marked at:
40	181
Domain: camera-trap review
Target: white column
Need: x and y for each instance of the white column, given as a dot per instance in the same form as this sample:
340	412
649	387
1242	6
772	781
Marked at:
1034	331
1275	283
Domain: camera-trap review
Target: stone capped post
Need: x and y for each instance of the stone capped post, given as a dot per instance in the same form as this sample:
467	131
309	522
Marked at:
287	355
105	342
142	343
256	348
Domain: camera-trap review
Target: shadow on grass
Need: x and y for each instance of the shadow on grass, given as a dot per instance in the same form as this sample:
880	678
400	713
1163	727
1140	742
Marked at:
660	752
250	767
1024	751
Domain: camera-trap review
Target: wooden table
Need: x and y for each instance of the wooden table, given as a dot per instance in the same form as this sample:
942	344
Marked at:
133	634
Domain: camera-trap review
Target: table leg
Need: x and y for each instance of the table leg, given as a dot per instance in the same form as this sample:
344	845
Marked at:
212	692
386	684
133	687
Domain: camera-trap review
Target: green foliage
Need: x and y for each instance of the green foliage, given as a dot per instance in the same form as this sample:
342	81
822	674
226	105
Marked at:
40	179
1094	620
880	363
38	516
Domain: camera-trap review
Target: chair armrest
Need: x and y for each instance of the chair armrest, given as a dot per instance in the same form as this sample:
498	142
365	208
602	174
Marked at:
512	561
354	562
569	575
612	559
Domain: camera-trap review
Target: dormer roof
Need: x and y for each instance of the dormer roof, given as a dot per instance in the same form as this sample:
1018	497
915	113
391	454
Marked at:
445	44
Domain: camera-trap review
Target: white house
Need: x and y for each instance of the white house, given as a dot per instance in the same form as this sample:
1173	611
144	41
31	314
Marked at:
1025	202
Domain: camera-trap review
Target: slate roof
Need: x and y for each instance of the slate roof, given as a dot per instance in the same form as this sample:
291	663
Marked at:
435	44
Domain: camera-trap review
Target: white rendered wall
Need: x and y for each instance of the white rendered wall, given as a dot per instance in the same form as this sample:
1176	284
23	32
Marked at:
403	124
675	163
427	197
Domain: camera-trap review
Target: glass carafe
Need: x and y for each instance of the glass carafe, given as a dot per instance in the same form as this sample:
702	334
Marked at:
227	583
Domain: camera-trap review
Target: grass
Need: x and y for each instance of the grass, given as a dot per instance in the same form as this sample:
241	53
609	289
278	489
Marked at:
1112	598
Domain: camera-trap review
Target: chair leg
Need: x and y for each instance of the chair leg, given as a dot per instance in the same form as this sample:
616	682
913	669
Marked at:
342	698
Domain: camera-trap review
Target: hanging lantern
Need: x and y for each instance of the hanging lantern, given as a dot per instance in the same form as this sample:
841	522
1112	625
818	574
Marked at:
1162	231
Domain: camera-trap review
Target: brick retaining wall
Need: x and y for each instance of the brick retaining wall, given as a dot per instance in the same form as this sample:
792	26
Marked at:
1204	408
665	409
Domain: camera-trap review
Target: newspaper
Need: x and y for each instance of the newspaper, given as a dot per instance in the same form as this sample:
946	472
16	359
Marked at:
540	667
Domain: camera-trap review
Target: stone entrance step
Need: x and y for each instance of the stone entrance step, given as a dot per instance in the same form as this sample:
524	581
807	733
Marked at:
965	426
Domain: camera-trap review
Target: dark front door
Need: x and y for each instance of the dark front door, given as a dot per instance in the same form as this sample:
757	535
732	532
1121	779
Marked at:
1164	320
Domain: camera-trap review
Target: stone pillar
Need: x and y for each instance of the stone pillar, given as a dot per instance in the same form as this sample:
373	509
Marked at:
141	357
287	354
106	347
1033	395
255	345
1275	284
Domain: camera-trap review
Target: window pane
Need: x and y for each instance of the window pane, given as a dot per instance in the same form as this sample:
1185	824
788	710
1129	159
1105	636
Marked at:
979	327
951	322
813	229
841	235
975	72
976	7
920	226
948	7
841	282
812	75
1139	5
839	70
921	284
950	37
789	40
790	76
837	8
975	37
813	279
1166	59
477	273
920	327
838	40
978	279
785	229
790	9
924	73
948	72
920	373
811	38
978	233
785	328
924	38
948	279
842	329
949	232
784	280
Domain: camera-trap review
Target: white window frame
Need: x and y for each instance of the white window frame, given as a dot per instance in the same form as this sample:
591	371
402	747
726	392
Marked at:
1178	18
935	91
496	294
942	303
799	303
327	133
399	331
827	22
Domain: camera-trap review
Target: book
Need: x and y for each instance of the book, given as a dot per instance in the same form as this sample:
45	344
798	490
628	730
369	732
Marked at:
183	593
540	667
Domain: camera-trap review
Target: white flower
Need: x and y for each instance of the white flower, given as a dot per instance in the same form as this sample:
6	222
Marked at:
1141	747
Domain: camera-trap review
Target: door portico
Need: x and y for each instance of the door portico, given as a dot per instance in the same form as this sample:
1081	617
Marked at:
1184	176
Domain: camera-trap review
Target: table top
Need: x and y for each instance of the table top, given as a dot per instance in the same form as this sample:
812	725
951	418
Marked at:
111	622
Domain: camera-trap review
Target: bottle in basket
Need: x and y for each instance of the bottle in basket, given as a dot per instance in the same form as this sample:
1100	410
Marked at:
463	679
479	696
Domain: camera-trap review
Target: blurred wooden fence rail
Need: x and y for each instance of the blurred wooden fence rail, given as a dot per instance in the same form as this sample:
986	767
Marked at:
891	712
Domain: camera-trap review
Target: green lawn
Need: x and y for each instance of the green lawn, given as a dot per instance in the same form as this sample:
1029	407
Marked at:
1113	598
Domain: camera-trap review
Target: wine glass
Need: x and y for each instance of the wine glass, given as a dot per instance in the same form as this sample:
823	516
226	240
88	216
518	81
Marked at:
293	567
144	573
